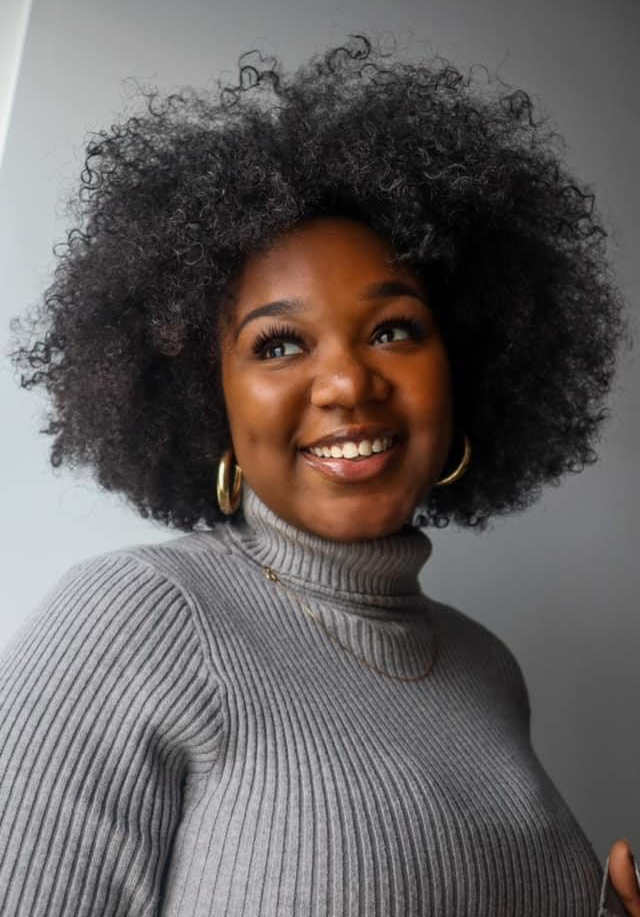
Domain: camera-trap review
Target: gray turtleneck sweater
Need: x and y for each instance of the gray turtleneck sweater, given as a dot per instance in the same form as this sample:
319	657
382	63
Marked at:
180	737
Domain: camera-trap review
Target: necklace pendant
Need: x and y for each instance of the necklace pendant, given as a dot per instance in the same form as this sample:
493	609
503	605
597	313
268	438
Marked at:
270	575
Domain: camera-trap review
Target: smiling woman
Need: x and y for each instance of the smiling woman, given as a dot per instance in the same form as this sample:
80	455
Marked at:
363	360
369	300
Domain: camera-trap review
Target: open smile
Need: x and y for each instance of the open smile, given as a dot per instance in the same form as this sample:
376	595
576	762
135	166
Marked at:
355	469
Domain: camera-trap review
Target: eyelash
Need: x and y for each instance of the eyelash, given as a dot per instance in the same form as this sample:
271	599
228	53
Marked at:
278	333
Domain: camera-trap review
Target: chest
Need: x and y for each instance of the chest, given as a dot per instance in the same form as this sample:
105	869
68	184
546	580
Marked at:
339	793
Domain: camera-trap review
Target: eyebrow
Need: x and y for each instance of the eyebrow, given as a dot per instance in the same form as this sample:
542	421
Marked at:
380	290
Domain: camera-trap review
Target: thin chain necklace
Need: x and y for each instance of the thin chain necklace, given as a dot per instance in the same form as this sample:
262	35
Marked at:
273	577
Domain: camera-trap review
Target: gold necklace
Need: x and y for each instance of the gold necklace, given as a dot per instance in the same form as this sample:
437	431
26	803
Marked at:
273	577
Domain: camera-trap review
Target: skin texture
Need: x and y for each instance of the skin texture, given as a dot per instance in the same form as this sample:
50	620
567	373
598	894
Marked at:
347	371
623	878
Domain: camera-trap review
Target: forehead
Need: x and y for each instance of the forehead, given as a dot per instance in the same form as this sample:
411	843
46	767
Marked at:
332	254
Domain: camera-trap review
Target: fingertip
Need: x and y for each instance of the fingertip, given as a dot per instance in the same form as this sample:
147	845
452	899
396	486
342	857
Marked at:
621	847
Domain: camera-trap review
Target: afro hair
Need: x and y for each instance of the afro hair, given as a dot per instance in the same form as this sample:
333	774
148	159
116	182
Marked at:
469	188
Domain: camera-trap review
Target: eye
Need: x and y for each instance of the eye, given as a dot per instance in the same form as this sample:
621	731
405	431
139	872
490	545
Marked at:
271	343
274	338
411	328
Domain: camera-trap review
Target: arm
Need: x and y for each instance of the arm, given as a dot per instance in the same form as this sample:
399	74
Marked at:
106	707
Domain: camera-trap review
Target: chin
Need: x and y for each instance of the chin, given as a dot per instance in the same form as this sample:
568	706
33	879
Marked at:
360	525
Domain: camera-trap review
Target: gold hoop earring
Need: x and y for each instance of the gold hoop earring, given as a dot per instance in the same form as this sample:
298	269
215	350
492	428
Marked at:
462	467
229	497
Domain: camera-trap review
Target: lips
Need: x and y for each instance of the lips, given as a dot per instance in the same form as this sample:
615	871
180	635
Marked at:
353	470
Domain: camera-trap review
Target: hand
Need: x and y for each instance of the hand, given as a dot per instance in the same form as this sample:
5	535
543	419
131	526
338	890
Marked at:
623	877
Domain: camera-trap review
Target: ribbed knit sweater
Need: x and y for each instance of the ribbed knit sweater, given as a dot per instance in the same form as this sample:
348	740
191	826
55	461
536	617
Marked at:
180	737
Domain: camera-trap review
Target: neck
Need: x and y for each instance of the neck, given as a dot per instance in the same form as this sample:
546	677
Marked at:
379	571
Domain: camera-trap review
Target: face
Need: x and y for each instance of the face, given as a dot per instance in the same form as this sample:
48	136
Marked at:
354	354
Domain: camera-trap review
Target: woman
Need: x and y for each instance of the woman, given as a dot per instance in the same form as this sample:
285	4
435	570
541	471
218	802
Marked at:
376	305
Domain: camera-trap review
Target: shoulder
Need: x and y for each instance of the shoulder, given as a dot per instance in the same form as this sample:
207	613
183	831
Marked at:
184	561
128	610
102	589
480	651
122	577
465	629
113	641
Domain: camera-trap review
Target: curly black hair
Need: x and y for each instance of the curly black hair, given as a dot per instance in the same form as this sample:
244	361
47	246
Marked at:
468	187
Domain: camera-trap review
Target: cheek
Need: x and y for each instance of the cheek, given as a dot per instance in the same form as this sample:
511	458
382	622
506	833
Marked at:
261	407
428	391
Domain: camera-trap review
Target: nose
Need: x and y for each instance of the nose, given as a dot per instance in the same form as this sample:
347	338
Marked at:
346	381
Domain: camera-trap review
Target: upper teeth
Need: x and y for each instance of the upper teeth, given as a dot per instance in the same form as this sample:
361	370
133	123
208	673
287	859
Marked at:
352	449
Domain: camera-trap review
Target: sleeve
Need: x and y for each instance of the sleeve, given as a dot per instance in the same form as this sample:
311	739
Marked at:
107	707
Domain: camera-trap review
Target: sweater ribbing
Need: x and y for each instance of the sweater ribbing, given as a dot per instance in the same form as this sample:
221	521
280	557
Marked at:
177	738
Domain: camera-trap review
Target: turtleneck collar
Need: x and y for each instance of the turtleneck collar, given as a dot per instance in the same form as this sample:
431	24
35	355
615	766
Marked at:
375	572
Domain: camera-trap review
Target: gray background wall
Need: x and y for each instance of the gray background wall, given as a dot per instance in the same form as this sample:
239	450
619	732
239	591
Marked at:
559	583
